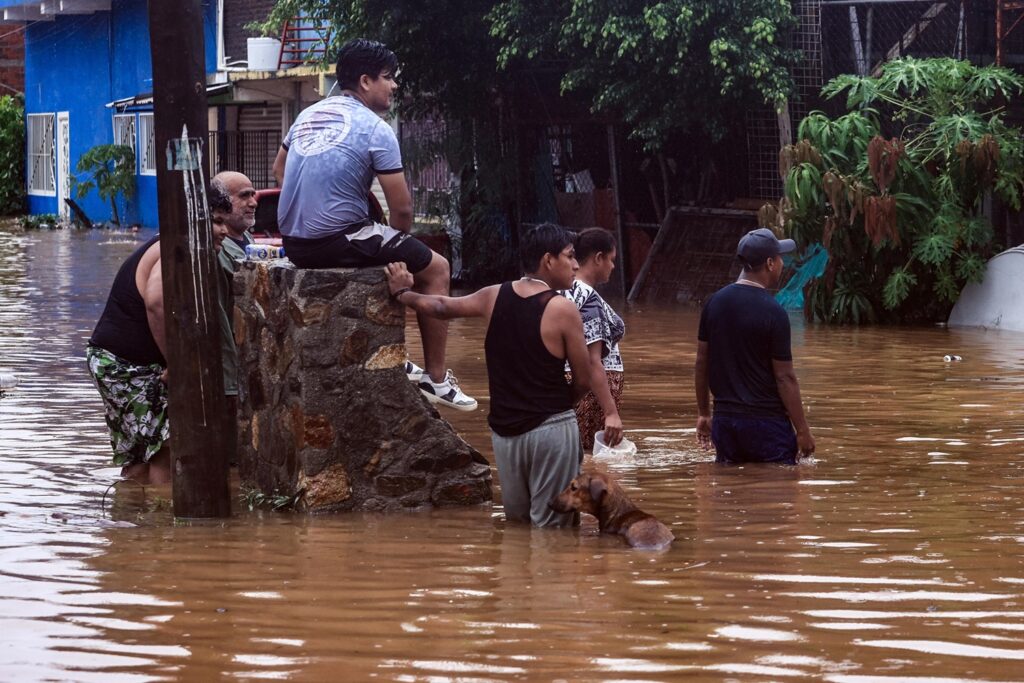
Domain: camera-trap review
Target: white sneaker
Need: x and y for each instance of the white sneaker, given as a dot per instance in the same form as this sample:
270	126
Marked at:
414	372
446	393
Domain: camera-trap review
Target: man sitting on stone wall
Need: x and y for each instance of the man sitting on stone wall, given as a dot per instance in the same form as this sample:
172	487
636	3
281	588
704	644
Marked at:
531	332
232	202
325	168
126	360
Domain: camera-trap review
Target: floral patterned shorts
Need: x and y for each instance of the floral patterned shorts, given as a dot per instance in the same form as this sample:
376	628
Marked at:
135	402
588	410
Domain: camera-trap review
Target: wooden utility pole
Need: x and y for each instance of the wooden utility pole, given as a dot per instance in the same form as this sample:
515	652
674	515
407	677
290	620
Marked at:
197	408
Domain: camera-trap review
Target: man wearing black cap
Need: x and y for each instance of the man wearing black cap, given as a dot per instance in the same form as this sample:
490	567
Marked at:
744	359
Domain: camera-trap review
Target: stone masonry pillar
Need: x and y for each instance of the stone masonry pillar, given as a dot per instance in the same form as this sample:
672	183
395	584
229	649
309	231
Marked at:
325	408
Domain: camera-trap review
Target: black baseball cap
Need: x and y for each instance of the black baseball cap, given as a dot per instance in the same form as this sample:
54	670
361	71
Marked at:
757	246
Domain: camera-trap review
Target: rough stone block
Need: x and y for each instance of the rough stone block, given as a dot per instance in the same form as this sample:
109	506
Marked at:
325	408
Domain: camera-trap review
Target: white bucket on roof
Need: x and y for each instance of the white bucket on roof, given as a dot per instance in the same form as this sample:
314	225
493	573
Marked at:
264	54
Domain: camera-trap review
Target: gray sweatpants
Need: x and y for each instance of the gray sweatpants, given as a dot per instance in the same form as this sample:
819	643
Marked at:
536	466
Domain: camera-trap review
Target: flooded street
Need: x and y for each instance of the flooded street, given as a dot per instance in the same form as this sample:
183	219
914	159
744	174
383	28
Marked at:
897	554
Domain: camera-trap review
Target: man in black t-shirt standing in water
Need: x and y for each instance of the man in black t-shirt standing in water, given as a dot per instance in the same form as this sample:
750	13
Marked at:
531	332
744	359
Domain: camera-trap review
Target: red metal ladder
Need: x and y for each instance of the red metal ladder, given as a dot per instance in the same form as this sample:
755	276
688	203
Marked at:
303	40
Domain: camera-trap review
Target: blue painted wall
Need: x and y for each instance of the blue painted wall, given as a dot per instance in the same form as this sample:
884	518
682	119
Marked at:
77	64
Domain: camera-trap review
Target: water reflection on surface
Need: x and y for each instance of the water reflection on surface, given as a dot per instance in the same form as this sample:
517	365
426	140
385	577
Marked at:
895	555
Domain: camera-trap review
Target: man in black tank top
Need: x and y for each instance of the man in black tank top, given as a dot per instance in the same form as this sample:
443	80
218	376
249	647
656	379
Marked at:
531	332
126	360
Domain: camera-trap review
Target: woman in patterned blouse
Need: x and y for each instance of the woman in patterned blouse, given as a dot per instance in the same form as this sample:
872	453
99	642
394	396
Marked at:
602	330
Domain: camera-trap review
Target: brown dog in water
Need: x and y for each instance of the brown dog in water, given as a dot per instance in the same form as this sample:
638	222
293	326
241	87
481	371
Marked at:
601	496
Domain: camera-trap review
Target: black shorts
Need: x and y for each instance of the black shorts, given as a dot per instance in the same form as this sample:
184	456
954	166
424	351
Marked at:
368	244
753	439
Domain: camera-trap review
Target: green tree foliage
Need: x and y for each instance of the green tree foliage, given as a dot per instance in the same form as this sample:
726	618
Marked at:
447	71
901	217
664	67
12	155
110	170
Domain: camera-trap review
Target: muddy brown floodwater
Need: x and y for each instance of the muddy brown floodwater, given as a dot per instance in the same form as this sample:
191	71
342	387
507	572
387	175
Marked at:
896	555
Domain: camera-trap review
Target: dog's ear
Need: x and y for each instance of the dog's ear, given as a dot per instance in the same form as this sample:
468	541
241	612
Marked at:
598	487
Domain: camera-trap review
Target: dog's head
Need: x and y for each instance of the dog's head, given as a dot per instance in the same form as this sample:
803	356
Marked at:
584	494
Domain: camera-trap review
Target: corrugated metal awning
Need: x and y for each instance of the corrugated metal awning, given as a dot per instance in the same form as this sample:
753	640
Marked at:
47	10
146	99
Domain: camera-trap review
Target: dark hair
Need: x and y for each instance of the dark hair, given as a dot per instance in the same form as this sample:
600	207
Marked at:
361	56
593	241
546	238
218	198
752	267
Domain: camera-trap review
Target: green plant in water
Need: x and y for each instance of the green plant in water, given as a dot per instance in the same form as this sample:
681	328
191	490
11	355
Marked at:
902	217
42	221
253	498
110	170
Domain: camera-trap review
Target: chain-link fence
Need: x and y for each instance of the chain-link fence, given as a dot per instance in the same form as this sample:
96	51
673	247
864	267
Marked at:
434	188
857	37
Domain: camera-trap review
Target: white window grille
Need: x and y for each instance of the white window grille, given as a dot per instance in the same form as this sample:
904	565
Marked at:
41	168
124	131
147	144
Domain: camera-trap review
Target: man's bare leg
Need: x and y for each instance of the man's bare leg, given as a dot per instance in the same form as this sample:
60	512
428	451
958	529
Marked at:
157	471
160	467
434	279
137	472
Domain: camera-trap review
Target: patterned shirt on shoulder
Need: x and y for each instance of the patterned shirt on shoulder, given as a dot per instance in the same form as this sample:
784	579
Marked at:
600	323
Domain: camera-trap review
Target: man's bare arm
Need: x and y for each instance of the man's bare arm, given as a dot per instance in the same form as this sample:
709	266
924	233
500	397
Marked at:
789	392
569	321
153	296
475	305
278	168
700	381
396	193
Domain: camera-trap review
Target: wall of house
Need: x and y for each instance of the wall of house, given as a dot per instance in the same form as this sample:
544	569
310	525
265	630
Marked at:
237	15
79	63
12	61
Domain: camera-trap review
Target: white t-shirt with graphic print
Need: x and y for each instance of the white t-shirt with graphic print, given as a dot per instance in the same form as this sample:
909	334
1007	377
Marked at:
335	148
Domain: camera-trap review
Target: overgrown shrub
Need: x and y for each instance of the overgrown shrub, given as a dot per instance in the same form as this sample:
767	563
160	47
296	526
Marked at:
12	155
894	188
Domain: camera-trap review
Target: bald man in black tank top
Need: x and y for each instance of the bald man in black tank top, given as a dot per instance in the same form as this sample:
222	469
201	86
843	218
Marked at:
531	332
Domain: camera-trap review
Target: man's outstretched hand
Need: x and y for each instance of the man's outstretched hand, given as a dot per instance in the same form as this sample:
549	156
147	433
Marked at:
399	277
